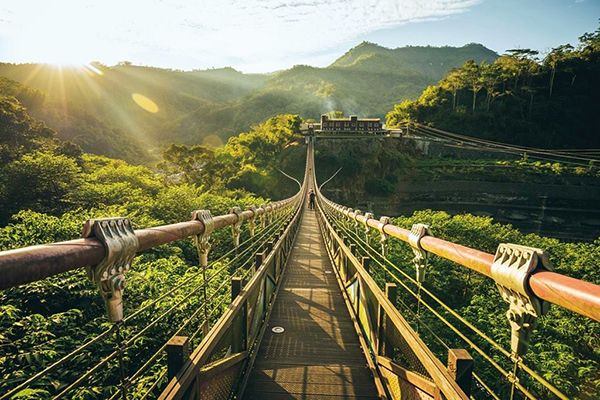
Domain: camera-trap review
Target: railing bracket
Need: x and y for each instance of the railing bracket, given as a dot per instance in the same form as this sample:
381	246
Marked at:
357	213
263	216
383	221
368	216
511	270
202	241
236	228
417	232
251	222
121	244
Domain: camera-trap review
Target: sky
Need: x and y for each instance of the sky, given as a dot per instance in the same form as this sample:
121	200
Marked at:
269	35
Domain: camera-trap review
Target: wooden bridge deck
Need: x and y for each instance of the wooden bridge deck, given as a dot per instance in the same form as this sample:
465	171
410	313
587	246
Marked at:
318	356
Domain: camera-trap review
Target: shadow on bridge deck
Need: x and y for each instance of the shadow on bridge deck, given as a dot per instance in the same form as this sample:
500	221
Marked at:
318	356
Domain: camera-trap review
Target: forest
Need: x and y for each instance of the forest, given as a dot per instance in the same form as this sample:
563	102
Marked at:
94	105
519	98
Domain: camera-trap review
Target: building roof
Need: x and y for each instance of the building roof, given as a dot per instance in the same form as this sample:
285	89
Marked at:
348	119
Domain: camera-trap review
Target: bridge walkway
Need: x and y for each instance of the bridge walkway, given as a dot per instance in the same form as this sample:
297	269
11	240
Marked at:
318	356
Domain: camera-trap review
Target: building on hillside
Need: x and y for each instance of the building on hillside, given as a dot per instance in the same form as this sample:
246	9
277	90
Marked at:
351	124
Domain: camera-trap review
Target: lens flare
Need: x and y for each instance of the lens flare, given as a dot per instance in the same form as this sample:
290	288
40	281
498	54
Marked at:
145	103
212	141
90	67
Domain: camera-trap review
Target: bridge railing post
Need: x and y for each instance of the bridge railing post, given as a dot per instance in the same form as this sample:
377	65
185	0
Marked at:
352	248
236	287
258	260
460	367
366	263
385	345
178	352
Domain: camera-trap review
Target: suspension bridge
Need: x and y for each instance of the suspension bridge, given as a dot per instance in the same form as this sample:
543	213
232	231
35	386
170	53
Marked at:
304	304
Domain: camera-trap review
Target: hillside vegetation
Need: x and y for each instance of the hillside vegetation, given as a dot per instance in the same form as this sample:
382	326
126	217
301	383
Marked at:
132	104
519	99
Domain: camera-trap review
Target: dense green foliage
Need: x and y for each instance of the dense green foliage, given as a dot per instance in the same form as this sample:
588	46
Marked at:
565	348
49	187
518	171
550	103
370	167
74	123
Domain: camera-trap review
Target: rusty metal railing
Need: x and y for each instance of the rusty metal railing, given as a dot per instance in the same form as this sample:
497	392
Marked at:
573	294
523	276
219	367
34	263
106	252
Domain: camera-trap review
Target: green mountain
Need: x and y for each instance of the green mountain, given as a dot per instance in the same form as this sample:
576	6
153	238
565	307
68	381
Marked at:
551	103
367	80
151	107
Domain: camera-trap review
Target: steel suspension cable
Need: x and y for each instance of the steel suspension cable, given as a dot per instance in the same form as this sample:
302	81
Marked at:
262	233
532	373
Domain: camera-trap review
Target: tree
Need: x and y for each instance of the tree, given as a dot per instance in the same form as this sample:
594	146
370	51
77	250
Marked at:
19	133
472	76
335	114
490	78
454	82
38	181
555	57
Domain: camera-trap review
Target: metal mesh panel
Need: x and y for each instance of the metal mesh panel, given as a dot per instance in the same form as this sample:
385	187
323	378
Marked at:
224	348
231	342
353	292
258	312
251	304
403	354
270	288
369	310
400	389
221	386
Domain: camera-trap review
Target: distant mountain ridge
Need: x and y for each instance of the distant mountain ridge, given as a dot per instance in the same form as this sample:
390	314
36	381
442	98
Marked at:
208	106
432	61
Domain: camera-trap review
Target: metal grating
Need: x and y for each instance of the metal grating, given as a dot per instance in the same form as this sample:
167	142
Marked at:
220	386
318	356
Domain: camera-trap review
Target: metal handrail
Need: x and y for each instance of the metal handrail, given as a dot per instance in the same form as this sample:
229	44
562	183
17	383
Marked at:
34	263
573	294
